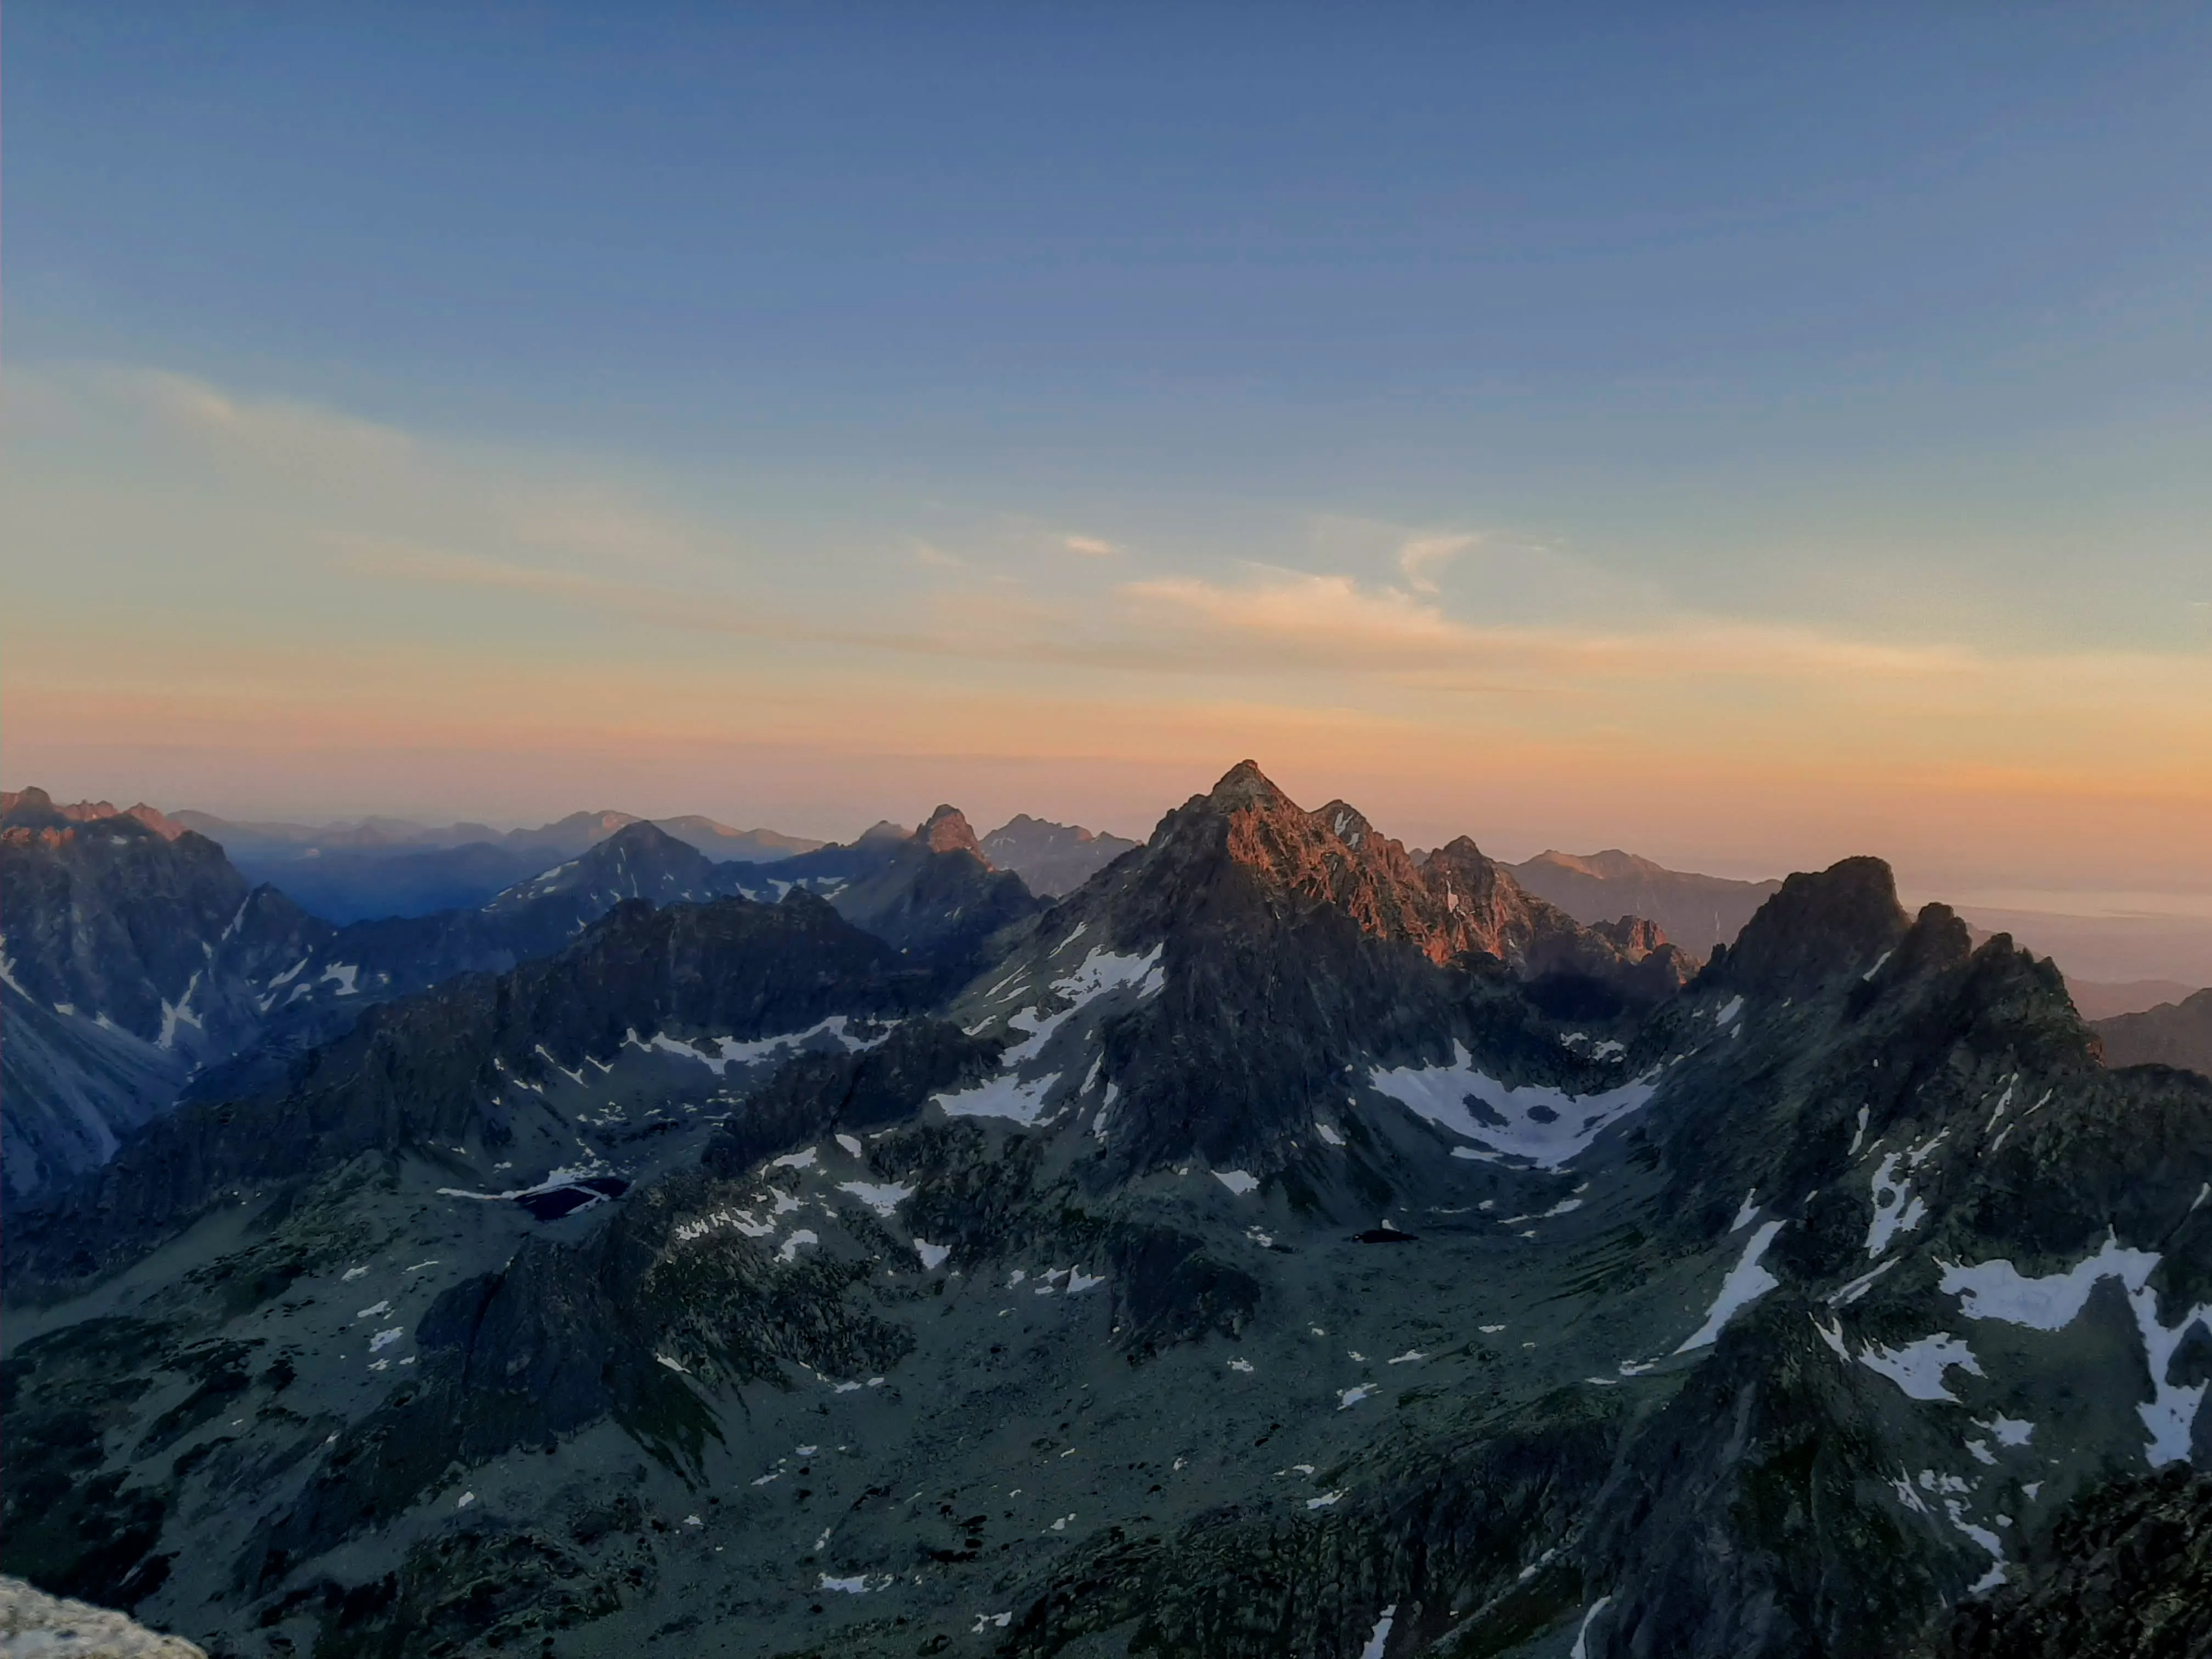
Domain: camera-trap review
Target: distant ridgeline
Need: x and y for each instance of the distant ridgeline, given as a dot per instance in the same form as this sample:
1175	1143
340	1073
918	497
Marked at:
1260	1240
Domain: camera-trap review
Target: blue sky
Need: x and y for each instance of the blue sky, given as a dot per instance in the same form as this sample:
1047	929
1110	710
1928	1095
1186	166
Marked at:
1883	327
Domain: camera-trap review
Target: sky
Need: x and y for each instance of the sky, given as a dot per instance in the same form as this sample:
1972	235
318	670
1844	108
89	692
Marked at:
1746	435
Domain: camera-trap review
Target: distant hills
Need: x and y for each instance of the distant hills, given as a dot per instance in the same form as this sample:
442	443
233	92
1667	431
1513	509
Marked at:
2171	1034
2100	999
390	866
384	866
1052	857
1697	912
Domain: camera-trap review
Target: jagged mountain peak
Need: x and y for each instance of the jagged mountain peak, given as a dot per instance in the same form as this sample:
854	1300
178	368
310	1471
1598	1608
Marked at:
642	844
1243	785
1023	822
639	860
1454	902
947	830
1820	925
641	835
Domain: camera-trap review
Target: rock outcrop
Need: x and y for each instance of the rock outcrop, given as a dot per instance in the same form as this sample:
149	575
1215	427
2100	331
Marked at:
36	1626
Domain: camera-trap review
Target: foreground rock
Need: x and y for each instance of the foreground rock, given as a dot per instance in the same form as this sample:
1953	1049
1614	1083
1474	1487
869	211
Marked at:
36	1626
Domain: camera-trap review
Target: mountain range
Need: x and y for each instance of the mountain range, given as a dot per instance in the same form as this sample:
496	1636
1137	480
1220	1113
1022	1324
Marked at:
384	867
139	968
379	868
1279	1243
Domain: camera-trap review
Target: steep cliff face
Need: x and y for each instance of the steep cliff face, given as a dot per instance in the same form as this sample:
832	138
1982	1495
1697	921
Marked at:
1453	902
133	954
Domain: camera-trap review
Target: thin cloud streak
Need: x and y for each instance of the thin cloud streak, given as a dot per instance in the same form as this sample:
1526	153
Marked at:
1424	553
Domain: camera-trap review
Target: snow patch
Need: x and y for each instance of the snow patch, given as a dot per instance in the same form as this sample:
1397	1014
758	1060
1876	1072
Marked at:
933	1256
1918	1367
731	1051
1582	1636
1859	1286
1379	1637
552	1183
1895	1209
883	1198
1238	1181
1746	1283
1997	1289
1103	971
1001	1096
1547	1126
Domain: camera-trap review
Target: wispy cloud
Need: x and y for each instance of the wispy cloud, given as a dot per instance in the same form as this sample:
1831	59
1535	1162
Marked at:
1088	547
1330	615
1423	554
930	556
264	429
